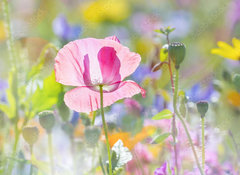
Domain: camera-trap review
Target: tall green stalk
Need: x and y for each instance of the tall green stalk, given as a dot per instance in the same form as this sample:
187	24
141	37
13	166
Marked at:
50	151
183	122
31	152
13	60
105	130
174	117
203	144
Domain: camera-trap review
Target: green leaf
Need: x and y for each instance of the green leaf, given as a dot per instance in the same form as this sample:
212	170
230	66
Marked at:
165	114
160	138
42	59
160	31
42	166
45	98
7	110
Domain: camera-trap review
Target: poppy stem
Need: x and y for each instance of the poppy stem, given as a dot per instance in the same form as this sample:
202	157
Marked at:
50	151
174	129
184	124
203	144
31	152
105	130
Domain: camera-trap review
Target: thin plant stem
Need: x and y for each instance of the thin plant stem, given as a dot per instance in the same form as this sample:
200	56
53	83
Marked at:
50	151
235	144
105	130
101	164
174	118
31	154
138	162
203	144
185	126
73	155
94	117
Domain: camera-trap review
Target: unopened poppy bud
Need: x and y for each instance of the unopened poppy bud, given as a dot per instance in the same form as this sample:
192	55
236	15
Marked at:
92	135
30	134
236	81
47	120
202	108
177	53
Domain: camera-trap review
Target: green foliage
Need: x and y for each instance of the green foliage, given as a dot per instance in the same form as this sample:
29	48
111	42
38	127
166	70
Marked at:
160	138
165	31
164	114
38	67
62	108
44	98
10	109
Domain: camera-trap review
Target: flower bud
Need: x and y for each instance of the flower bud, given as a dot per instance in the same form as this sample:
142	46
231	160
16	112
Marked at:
92	135
236	81
30	134
47	120
177	53
202	107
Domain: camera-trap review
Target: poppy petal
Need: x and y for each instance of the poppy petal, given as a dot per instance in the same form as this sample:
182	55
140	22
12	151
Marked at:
84	99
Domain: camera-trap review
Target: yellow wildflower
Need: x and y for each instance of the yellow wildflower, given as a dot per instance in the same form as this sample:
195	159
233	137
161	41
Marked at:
3	34
228	51
106	10
234	98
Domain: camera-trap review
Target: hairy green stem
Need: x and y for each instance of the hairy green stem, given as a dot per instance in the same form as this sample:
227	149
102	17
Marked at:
184	124
50	151
203	144
174	118
105	130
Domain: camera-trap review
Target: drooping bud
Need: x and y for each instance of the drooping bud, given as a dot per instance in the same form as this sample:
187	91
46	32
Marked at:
202	107
177	53
47	120
30	134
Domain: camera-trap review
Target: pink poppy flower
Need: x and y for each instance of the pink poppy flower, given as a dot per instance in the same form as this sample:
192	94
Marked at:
90	62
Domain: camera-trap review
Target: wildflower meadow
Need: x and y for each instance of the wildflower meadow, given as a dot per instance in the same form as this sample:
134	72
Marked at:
119	87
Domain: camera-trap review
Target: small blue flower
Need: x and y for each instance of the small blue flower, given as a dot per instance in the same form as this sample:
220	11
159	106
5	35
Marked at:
3	87
75	118
64	30
143	71
197	93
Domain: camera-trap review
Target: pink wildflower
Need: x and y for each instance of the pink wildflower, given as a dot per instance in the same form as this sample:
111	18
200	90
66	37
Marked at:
89	63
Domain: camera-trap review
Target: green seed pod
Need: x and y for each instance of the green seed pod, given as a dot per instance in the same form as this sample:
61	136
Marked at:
177	53
236	81
227	76
47	120
30	134
92	135
202	107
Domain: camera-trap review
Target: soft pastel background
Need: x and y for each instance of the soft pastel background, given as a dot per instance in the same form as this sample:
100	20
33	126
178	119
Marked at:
199	24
